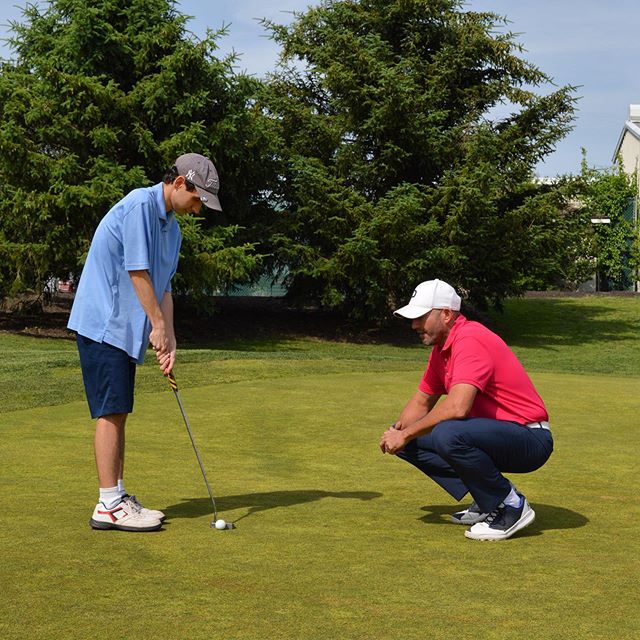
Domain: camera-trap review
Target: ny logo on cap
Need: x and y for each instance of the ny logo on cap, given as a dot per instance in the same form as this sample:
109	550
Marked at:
190	175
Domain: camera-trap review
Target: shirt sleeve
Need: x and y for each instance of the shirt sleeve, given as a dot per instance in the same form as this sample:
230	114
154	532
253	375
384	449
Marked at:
136	238
432	382
471	364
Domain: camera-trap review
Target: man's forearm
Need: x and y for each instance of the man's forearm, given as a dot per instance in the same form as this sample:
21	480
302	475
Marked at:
146	295
454	406
416	409
166	306
429	421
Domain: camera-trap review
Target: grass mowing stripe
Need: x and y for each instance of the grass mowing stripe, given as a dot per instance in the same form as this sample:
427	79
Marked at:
35	374
579	335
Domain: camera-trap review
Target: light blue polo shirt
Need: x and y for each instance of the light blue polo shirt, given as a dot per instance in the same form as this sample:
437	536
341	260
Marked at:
136	234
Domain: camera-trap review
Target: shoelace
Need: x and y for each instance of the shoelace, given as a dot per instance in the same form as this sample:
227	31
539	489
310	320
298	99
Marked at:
135	505
494	514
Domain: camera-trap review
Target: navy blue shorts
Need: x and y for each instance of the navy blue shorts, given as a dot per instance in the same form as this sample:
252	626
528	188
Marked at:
109	377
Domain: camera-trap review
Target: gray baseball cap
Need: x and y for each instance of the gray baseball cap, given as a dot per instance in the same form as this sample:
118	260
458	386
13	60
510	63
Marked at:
200	171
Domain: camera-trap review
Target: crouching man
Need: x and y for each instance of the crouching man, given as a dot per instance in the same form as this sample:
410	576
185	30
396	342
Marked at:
489	421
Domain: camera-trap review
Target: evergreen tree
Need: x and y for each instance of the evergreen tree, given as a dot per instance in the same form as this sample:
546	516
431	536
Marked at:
100	97
393	167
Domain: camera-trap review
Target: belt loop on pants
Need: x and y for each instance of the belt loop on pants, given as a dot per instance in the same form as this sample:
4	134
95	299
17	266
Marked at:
543	424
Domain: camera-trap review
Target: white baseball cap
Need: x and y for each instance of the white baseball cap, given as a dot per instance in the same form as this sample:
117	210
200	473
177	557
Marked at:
431	294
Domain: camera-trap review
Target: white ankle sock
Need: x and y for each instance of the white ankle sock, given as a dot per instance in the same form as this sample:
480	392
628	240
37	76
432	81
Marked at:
121	488
110	496
513	499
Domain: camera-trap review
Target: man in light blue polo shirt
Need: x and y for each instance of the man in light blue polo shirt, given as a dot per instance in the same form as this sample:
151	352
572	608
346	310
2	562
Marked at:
122	304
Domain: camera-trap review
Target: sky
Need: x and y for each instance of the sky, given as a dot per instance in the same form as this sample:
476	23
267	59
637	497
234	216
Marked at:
589	43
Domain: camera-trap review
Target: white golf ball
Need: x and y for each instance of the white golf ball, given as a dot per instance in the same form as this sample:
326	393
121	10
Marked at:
221	524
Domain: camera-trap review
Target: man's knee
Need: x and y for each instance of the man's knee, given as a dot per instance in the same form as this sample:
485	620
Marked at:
446	437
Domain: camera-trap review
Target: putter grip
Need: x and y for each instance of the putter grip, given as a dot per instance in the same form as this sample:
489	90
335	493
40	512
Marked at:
172	381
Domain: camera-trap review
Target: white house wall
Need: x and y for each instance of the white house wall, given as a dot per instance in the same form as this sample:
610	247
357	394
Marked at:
629	152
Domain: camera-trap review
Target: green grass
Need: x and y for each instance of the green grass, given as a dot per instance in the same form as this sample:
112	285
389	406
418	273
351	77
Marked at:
577	335
40	372
334	540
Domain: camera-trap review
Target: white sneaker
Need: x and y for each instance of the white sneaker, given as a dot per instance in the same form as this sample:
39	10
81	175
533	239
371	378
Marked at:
503	522
134	503
123	517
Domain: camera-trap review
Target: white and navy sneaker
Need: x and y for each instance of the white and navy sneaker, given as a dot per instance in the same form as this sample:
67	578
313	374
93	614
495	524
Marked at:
134	503
472	513
468	516
503	522
123	517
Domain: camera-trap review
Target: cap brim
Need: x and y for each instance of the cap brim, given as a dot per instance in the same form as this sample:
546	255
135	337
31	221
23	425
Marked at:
411	312
208	199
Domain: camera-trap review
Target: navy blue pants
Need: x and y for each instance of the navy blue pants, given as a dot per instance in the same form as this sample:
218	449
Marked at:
471	455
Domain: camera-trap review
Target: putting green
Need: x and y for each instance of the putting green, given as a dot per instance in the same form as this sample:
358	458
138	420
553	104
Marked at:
334	540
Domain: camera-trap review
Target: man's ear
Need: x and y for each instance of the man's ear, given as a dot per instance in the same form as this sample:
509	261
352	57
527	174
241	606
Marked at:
449	316
179	182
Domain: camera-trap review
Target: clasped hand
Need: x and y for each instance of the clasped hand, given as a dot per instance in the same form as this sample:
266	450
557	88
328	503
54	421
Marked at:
392	440
165	347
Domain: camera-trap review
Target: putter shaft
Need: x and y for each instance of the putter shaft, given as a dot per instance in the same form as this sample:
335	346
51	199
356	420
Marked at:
174	387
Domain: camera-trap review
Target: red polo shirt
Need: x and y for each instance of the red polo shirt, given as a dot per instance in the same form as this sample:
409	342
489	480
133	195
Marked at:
474	355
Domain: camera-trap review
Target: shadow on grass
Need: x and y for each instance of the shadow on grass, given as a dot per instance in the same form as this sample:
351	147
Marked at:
545	323
548	517
256	502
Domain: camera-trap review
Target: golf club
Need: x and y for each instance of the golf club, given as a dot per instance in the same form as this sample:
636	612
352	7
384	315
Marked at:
216	524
